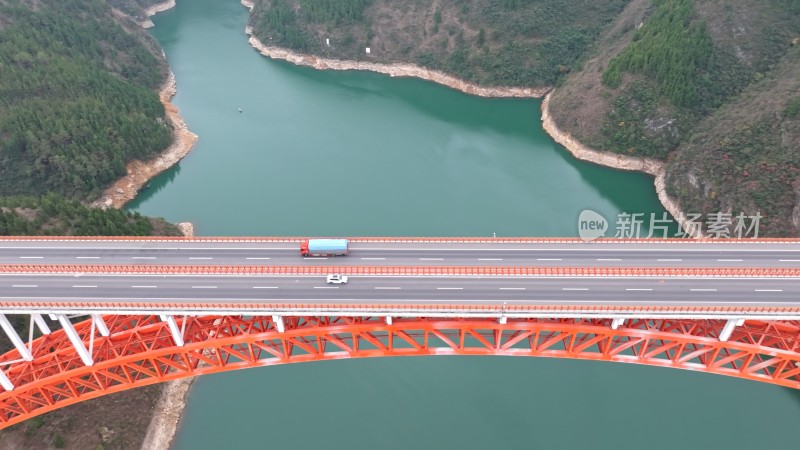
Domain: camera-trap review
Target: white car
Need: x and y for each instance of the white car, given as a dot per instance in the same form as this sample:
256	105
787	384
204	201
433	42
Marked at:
336	279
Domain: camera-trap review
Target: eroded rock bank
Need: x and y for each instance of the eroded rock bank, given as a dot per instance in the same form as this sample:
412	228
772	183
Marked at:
140	172
155	9
614	160
393	70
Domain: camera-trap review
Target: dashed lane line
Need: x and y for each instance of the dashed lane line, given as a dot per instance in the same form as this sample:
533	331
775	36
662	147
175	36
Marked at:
703	290
84	286
449	288
513	289
769	290
204	287
24	285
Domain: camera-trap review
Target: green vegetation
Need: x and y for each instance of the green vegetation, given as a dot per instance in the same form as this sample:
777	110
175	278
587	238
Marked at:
77	99
670	48
793	108
490	42
54	215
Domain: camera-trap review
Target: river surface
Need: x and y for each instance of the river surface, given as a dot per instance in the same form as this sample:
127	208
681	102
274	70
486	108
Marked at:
351	153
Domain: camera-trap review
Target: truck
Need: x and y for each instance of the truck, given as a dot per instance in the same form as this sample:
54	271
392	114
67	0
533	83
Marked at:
324	247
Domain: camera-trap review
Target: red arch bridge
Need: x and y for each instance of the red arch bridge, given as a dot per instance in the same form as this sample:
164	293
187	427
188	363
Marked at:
729	309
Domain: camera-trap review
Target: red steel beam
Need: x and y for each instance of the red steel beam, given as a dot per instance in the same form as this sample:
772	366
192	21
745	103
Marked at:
140	350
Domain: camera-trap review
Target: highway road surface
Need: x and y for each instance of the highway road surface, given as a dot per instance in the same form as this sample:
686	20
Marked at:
110	289
778	255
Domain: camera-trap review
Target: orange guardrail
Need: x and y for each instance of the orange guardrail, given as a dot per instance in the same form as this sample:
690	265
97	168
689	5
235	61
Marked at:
405	270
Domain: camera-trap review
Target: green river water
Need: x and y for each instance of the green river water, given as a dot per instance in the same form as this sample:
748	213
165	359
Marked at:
352	153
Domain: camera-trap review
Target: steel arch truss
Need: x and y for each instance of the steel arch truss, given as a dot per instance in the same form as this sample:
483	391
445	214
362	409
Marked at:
140	349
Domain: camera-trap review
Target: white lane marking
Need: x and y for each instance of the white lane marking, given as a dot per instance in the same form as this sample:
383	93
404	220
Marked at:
574	289
204	287
609	259
144	286
265	287
512	289
703	290
257	258
388	287
84	286
431	259
143	257
638	289
373	259
729	260
789	260
769	290
548	259
200	257
669	260
449	288
24	285
490	259
31	257
326	287
87	257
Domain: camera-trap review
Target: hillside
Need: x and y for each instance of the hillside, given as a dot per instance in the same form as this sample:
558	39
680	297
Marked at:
490	42
707	85
78	97
702	84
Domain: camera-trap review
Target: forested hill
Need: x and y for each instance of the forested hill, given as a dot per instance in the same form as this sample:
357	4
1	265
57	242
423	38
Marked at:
710	86
491	42
78	97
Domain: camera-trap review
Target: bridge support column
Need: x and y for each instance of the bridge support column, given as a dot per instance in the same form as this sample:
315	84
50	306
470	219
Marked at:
727	330
617	322
173	328
101	325
40	323
279	323
75	340
388	320
15	339
5	382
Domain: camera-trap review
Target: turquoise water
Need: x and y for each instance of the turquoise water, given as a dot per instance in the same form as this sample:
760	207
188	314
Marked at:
406	157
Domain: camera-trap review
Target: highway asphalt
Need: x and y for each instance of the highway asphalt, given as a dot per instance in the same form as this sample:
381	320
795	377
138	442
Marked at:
782	255
109	289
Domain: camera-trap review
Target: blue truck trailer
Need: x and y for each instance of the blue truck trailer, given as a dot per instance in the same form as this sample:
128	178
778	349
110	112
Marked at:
324	247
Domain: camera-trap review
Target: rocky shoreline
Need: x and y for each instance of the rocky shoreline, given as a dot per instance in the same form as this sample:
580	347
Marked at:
155	9
141	172
616	161
393	70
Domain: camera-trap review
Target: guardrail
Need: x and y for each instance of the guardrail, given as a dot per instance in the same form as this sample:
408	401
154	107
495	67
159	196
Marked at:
421	240
636	272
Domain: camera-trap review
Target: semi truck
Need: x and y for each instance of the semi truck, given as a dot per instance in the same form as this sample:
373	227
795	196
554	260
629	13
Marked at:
324	247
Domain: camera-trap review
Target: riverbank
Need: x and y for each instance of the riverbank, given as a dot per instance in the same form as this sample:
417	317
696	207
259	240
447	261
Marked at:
393	70
155	9
650	166
141	172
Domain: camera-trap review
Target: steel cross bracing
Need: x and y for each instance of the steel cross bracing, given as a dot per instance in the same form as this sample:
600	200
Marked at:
142	350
